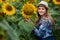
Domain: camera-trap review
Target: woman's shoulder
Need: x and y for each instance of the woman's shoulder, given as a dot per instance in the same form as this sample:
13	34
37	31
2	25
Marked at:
46	20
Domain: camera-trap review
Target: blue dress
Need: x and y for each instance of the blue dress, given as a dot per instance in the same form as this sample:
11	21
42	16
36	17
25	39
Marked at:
44	29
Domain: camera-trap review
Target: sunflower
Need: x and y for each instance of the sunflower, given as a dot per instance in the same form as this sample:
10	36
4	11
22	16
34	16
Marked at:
28	9
32	0
13	0
56	1
47	0
2	1
2	37
8	9
26	16
2	14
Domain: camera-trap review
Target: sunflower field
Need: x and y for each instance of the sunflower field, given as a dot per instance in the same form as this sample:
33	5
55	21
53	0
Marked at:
13	14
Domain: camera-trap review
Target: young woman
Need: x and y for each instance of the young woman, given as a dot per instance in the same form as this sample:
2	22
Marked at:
44	24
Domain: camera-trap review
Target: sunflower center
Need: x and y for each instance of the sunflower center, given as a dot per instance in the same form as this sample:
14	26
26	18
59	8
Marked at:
3	0
1	37
58	0
28	13
8	7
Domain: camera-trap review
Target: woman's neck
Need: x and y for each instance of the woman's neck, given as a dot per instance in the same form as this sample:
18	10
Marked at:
44	17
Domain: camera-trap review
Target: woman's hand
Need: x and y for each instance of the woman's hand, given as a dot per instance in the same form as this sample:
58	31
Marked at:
27	19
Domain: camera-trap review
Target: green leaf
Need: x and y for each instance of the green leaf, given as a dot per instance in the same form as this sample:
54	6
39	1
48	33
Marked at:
12	34
28	27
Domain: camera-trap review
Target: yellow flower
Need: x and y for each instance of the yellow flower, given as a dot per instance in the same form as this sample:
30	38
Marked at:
56	1
32	0
13	0
26	16
2	1
47	0
8	9
2	37
2	14
29	9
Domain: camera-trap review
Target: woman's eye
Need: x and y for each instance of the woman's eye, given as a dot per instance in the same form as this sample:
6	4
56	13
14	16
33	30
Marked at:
42	8
39	8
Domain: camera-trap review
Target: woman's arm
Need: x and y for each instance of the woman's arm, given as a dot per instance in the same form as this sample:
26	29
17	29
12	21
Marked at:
42	28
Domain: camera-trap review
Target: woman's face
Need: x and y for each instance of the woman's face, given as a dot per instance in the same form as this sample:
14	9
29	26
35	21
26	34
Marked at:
41	10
